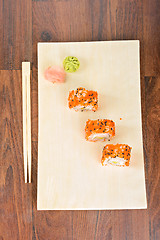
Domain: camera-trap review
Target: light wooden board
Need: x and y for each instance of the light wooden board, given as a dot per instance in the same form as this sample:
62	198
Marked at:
70	175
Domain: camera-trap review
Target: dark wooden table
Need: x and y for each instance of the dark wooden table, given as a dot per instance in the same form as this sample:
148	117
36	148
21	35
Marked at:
23	24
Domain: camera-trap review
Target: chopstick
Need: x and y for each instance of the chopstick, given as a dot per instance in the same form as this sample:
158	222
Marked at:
26	119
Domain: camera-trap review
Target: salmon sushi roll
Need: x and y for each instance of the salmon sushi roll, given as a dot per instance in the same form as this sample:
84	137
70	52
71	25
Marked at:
82	99
99	130
118	155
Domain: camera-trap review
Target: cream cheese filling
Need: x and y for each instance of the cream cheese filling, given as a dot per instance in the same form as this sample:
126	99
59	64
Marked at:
99	136
80	107
115	161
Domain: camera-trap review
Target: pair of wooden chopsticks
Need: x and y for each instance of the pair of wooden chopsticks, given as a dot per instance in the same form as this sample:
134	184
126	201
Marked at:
26	119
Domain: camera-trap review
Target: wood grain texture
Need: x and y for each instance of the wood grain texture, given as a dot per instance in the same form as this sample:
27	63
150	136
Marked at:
134	223
15	195
16	33
152	137
151	121
72	20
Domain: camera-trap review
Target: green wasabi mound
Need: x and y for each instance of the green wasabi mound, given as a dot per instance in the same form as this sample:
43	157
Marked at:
71	64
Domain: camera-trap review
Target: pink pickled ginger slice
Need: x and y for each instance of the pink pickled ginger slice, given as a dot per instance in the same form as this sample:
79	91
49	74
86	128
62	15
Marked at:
55	74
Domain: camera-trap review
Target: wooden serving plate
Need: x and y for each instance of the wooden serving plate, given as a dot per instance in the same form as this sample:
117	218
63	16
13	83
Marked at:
70	175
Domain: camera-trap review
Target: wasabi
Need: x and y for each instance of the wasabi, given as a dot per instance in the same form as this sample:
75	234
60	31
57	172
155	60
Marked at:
71	64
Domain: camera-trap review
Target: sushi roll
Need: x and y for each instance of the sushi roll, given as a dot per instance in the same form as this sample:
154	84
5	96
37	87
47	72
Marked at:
99	130
118	155
82	99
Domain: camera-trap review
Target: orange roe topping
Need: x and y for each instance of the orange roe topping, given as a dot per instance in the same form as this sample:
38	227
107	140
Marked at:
83	97
99	126
117	150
